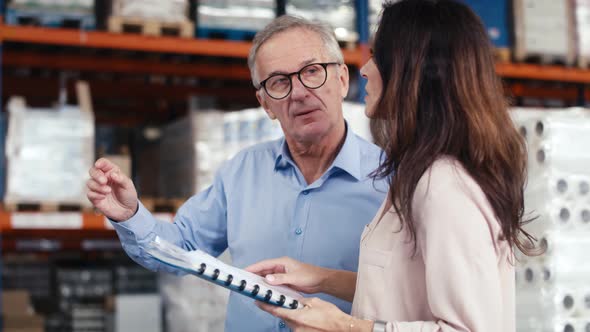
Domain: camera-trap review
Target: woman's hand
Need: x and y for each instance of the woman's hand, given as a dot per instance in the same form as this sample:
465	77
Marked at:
317	315
286	271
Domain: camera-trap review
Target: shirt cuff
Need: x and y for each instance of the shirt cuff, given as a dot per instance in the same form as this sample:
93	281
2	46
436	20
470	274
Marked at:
139	226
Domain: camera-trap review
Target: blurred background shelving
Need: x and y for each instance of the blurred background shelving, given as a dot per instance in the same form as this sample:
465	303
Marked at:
162	72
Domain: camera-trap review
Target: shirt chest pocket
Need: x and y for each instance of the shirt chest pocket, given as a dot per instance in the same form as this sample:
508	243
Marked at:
375	257
372	281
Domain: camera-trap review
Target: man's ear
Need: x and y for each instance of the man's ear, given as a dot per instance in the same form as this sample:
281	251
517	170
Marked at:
264	104
344	80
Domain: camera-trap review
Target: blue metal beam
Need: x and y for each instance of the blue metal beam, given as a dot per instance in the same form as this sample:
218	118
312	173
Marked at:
362	27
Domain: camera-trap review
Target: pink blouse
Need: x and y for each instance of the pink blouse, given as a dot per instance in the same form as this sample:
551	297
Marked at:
461	277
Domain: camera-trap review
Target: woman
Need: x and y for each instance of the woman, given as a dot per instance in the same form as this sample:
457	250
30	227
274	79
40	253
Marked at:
439	254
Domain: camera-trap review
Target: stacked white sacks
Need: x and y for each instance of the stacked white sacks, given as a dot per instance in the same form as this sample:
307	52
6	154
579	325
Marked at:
48	152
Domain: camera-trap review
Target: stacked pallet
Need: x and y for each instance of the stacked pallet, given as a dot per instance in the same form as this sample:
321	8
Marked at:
233	20
49	152
583	32
58	13
151	18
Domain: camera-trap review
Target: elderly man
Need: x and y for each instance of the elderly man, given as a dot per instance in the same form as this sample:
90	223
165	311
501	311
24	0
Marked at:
306	196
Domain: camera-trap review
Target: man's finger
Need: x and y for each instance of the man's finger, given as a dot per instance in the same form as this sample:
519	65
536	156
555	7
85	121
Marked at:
94	186
119	179
97	175
104	165
95	197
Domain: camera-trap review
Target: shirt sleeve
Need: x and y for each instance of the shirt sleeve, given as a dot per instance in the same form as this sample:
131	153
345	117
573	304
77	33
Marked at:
200	223
461	262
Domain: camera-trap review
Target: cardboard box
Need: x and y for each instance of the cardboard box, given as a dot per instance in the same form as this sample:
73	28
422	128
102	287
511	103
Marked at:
23	322
123	161
16	303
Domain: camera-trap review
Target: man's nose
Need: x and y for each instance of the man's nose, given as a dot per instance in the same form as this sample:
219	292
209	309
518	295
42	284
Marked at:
298	90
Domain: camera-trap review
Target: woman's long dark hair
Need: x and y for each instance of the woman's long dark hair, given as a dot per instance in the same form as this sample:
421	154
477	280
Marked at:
441	96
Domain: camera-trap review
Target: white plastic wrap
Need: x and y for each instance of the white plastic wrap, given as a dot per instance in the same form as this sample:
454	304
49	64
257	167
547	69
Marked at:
553	293
62	5
562	145
583	27
48	153
340	14
243	14
357	120
193	148
542	27
161	10
193	304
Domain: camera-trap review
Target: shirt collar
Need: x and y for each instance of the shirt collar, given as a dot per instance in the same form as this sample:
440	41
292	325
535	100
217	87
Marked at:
348	158
283	159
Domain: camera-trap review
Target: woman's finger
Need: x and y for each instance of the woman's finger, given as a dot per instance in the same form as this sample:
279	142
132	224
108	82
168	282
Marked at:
270	265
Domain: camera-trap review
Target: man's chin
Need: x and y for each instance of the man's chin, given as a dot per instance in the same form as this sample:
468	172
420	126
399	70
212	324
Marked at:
312	132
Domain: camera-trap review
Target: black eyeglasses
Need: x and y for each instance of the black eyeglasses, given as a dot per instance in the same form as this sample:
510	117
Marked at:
312	76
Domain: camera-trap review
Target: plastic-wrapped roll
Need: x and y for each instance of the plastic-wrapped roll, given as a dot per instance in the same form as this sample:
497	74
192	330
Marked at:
563	144
560	214
584	304
574	245
519	276
566	302
581	217
524	120
550	186
567	326
572	325
565	259
584	187
536	274
532	274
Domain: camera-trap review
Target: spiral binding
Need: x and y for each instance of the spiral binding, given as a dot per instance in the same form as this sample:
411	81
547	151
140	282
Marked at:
243	285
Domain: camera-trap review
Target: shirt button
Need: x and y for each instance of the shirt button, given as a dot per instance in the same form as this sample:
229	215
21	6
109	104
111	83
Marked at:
305	192
298	231
282	324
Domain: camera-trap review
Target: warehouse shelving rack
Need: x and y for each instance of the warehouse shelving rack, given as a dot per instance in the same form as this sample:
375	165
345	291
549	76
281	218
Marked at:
577	91
212	48
219	48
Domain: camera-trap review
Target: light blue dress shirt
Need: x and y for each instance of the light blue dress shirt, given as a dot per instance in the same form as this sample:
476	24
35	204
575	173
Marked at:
260	207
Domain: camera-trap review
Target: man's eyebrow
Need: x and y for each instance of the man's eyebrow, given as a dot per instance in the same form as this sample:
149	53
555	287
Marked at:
302	64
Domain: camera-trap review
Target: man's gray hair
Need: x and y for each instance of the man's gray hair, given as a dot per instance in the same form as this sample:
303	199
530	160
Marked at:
287	22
